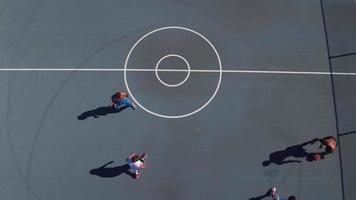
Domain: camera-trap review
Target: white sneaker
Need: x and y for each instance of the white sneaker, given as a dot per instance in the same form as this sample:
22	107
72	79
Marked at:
273	192
134	106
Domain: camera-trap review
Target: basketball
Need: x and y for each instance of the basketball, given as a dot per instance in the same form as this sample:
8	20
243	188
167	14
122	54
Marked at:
317	156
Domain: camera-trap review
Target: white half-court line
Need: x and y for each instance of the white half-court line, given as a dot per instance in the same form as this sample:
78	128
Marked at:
182	70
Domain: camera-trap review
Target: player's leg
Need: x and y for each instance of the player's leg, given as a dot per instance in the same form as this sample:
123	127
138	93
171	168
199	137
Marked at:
137	174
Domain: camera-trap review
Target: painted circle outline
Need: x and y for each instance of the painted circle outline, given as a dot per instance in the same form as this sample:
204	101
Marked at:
173	116
168	56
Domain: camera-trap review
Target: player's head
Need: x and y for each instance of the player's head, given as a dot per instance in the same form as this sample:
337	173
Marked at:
292	198
333	138
135	158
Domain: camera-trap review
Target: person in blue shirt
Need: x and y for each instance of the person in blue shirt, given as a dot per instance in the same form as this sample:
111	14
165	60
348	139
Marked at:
120	101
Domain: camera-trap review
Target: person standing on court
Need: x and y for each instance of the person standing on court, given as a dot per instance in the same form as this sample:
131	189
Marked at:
136	163
329	142
120	100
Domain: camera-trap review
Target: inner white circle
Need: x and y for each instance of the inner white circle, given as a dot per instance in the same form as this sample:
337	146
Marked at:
168	56
172	116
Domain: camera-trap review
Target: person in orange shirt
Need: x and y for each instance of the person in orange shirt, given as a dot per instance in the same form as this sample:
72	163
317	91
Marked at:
329	142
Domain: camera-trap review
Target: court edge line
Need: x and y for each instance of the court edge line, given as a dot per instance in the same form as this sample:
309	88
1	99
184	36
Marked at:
342	55
334	99
181	70
347	133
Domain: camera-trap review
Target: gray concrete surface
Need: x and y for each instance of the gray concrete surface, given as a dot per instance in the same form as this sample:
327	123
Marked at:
47	153
340	17
345	88
348	152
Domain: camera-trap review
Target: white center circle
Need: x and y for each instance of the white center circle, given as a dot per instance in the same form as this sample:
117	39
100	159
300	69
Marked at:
173	28
168	56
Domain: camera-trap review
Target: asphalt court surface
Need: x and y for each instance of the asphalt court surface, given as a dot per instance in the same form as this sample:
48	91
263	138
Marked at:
171	49
47	150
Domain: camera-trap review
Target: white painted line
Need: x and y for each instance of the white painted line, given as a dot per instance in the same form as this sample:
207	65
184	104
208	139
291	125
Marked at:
168	56
60	69
181	70
180	29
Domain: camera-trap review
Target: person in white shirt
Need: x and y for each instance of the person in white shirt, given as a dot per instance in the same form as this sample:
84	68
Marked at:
136	163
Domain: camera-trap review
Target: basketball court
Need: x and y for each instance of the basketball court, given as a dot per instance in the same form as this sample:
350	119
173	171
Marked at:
219	86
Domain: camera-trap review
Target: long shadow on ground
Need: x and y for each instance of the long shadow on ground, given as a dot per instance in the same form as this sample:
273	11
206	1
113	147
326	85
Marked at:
291	153
100	111
110	172
267	194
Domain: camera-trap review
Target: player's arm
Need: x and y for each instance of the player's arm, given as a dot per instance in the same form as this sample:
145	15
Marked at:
143	165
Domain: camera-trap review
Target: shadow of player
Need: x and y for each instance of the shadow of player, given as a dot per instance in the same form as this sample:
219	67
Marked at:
110	172
295	151
267	194
101	111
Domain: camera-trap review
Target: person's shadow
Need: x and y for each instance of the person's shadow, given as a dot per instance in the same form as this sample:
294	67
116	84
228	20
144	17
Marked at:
110	172
295	151
267	194
100	111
